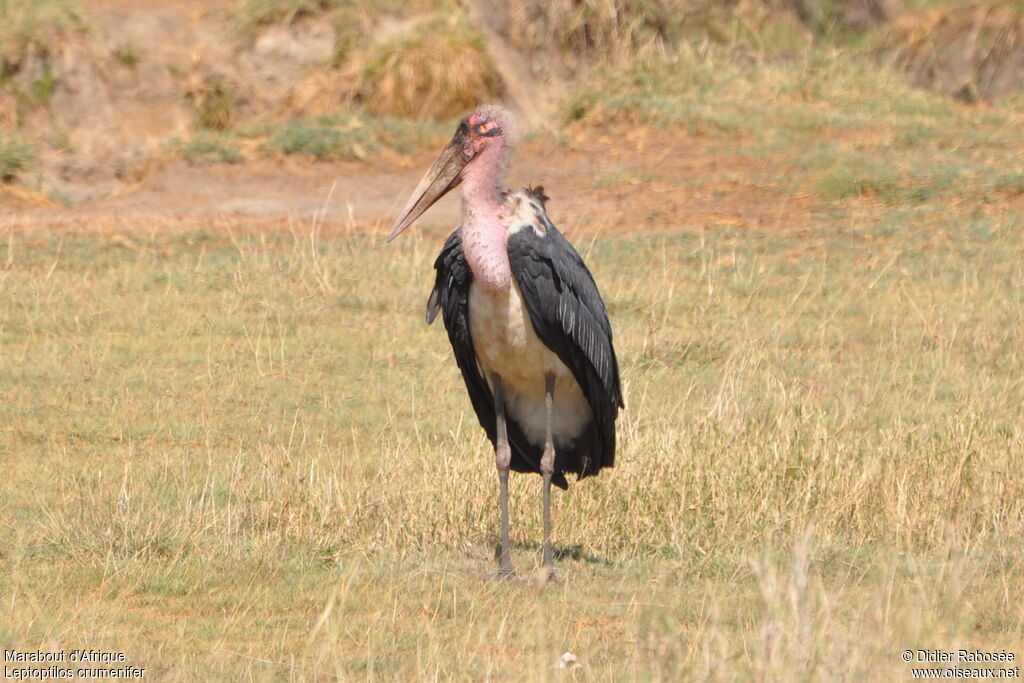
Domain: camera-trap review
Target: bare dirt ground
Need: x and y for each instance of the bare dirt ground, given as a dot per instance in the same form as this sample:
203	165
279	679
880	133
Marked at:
638	180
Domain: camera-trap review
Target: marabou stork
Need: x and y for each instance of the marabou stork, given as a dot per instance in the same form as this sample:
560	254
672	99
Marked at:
524	318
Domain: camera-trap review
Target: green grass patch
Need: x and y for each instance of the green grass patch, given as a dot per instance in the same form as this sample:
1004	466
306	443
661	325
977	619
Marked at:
843	175
16	157
44	87
28	23
350	136
725	91
872	135
209	148
1011	183
127	55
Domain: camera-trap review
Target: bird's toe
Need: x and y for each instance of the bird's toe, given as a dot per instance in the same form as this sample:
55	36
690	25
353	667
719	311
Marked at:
504	574
546	576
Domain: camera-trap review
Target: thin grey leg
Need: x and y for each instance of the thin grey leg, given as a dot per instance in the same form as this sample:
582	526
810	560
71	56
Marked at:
547	468
503	456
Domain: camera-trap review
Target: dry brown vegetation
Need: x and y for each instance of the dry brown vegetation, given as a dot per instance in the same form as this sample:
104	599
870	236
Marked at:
440	70
105	96
974	50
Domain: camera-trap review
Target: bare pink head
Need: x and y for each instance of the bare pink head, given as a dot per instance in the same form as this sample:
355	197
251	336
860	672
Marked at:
478	152
489	126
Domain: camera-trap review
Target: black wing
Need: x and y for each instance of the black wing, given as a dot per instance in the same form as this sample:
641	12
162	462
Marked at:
451	297
570	318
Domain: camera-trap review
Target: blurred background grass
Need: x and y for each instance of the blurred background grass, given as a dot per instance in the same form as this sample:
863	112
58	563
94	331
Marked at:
68	80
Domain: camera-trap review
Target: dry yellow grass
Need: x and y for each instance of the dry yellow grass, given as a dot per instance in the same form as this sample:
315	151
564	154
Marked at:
320	93
240	458
210	98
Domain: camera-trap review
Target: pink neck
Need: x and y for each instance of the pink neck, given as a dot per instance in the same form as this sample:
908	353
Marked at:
483	232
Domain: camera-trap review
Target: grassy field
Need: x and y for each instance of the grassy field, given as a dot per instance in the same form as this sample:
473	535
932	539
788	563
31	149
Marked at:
245	457
250	457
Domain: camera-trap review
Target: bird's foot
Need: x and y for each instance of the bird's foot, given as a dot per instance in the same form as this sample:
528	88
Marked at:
506	573
547	575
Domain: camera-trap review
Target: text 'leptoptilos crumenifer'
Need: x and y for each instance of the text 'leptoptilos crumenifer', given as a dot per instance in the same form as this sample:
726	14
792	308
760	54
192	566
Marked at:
525	320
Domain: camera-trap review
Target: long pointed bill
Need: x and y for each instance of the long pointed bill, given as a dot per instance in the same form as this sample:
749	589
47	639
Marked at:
442	177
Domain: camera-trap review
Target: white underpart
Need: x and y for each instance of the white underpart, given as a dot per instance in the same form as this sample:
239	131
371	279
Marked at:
507	345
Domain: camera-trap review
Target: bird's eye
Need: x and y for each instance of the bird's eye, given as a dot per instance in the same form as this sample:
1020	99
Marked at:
463	128
487	129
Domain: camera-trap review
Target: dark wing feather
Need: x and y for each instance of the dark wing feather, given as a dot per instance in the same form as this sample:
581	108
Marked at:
451	297
570	318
